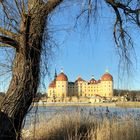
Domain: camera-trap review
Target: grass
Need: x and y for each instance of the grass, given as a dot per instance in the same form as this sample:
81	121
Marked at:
80	126
128	104
122	104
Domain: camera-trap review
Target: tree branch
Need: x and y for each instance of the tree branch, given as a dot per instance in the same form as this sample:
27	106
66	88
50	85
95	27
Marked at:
9	42
51	5
122	6
4	45
7	33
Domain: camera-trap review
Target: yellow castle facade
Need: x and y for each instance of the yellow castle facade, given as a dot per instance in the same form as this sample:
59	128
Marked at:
61	87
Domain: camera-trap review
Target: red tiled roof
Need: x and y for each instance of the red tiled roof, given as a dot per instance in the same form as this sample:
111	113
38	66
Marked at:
107	77
61	77
52	84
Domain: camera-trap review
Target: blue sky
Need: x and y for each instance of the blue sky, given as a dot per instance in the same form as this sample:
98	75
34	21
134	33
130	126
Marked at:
86	52
90	52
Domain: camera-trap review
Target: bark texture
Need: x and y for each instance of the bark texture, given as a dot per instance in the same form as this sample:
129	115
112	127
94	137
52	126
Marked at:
26	68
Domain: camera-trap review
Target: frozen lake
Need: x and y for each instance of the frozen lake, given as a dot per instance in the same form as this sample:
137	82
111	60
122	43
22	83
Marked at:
36	114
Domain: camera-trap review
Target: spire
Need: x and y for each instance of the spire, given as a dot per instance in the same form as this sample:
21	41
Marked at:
62	70
106	71
92	76
55	75
79	76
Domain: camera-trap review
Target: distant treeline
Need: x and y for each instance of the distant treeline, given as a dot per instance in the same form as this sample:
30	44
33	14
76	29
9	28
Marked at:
131	95
122	92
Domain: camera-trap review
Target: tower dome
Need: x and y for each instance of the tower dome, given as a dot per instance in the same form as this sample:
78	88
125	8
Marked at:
62	77
107	77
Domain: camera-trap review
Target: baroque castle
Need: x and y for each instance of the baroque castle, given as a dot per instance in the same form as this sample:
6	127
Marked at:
61	87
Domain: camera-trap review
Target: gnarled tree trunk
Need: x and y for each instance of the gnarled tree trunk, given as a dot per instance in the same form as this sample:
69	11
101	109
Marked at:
25	79
26	65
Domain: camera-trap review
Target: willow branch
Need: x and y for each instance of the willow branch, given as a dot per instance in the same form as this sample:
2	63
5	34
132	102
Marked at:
9	42
4	45
18	6
114	32
8	33
6	11
122	6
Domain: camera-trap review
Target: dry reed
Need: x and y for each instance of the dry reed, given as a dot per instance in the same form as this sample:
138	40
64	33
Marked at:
80	126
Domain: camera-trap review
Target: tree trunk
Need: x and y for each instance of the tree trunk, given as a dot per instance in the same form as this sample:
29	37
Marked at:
25	79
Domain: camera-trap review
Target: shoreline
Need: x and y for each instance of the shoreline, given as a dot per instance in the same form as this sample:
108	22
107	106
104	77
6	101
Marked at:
117	104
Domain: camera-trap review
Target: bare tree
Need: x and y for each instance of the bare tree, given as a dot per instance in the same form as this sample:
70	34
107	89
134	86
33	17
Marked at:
127	13
22	27
25	24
